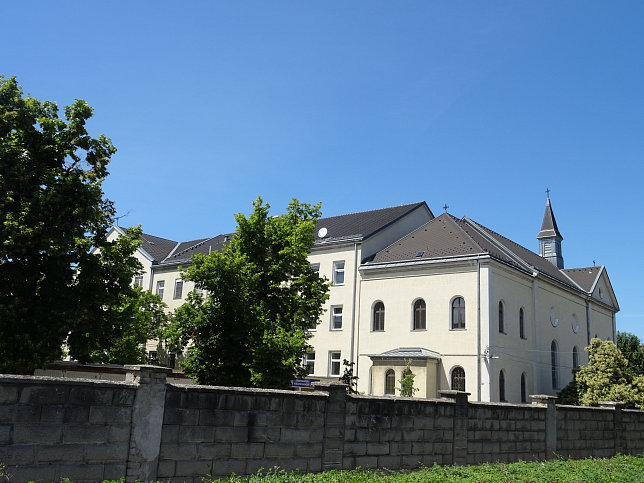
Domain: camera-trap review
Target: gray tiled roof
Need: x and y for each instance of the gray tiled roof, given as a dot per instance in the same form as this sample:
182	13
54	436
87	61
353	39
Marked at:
407	353
158	248
447	237
364	224
185	250
584	277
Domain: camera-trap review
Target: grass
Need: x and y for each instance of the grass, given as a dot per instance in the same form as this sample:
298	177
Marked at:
617	469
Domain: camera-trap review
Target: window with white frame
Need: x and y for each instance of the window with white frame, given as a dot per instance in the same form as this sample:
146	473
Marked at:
336	317
338	273
138	281
458	313
390	382
334	363
309	362
315	267
178	288
160	287
420	314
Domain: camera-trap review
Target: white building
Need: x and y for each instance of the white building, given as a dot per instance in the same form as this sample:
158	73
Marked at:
470	308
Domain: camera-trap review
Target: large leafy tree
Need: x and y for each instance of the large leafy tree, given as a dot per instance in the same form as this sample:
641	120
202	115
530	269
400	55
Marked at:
58	272
605	378
251	328
632	349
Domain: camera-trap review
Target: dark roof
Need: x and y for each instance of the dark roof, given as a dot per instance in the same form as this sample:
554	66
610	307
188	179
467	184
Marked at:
407	353
549	224
364	224
185	250
584	277
158	248
447	237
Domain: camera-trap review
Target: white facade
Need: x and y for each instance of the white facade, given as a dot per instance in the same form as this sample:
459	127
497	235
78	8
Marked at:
441	307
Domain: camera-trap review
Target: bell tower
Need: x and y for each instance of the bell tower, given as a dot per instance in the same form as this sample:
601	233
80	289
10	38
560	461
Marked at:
549	237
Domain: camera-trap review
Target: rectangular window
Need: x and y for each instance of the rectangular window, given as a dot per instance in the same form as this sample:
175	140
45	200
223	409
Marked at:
334	363
160	288
336	317
338	273
178	288
309	362
138	281
315	267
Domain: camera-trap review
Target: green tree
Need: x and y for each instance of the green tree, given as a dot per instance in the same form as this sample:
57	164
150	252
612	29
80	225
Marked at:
348	378
407	388
605	378
631	347
58	273
262	298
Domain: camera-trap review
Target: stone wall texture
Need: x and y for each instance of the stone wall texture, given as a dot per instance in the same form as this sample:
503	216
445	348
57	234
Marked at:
146	429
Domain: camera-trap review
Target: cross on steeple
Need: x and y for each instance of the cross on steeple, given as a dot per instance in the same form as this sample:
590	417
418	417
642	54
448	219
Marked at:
548	193
445	207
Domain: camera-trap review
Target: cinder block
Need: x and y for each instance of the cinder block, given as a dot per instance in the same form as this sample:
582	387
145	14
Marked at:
43	395
279	450
5	434
24	413
264	435
309	450
195	468
231	435
114	471
225	467
397	448
118	433
196	434
108	452
181	416
366	461
90	395
86	433
389	462
46	472
166	469
185	451
410	462
76	414
64	453
377	449
8	394
247	450
211	451
110	414
123	397
36	433
17	454
83	472
422	448
170	433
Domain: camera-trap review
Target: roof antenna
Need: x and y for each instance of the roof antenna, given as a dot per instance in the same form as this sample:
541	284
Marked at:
117	218
445	206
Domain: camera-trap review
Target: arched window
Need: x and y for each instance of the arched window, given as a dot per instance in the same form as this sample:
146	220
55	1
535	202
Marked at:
554	363
501	386
379	316
521	323
458	379
575	358
390	382
524	390
458	313
501	327
420	314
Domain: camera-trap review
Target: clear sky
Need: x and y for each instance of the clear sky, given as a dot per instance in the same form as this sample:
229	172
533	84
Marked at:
360	105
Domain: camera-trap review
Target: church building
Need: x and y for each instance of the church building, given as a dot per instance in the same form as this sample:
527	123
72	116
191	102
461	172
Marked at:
468	308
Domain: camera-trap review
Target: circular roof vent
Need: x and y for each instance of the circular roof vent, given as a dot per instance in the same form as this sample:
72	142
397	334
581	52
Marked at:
322	232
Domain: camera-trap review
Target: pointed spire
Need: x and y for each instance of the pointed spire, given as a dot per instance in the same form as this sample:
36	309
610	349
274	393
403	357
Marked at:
549	224
549	237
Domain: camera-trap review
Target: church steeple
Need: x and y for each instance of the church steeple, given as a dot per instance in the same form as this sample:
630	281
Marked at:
549	237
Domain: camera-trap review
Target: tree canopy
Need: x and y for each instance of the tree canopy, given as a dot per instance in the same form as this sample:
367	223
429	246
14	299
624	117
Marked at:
605	378
631	348
58	273
262	296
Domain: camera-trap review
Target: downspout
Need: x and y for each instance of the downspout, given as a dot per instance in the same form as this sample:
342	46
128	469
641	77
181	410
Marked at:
587	322
353	311
478	329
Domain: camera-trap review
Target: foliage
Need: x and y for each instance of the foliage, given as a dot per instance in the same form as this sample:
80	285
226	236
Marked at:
606	378
632	349
53	216
348	378
251	328
407	388
618	468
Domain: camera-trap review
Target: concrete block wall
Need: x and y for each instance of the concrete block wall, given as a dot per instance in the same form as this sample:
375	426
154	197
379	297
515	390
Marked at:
505	433
147	429
218	431
50	428
397	433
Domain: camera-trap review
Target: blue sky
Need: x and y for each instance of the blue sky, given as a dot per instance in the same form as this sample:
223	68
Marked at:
360	105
